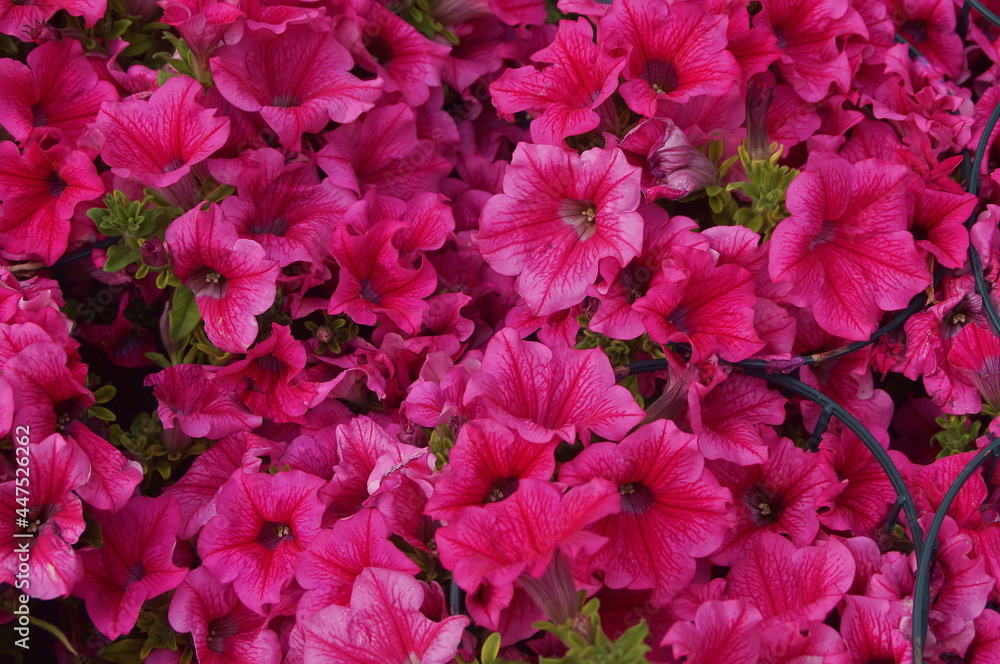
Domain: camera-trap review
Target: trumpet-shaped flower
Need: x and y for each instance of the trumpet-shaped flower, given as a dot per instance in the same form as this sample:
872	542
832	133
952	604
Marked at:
232	279
559	215
157	141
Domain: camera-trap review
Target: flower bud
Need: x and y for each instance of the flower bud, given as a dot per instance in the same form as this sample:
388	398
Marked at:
760	90
678	166
153	253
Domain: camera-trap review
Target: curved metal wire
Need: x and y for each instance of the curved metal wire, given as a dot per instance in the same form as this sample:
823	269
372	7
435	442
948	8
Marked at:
922	586
984	12
796	386
775	371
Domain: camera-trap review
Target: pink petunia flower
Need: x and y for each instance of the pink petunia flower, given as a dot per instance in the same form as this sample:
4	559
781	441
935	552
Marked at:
375	282
789	584
40	189
729	417
56	93
20	19
858	502
48	391
384	623
322	89
382	151
692	299
330	566
929	25
845	249
779	496
678	51
672	509
722	632
269	381
134	564
264	521
231	278
548	393
486	465
157	141
518	540
564	96
113	476
54	517
811	39
200	406
975	353
224	631
559	215
285	209
404	59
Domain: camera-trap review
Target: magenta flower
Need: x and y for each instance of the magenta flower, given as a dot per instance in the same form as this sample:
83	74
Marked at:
196	491
375	282
57	93
383	624
200	406
20	19
975	352
231	278
722	632
285	209
564	96
382	151
692	299
559	215
263	522
330	566
811	38
486	465
322	89
113	476
269	381
874	629
730	418
48	394
930	26
672	509
224	631
845	249
157	141
498	543
789	584
779	496
134	564
55	520
122	341
938	216
40	190
674	167
678	51
548	393
859	500
404	59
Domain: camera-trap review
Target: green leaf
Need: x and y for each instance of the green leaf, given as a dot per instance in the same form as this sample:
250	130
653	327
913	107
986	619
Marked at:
123	651
159	358
491	647
54	631
184	314
120	257
101	413
105	394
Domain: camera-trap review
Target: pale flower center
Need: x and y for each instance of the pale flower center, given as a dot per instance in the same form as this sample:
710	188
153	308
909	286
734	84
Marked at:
581	216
